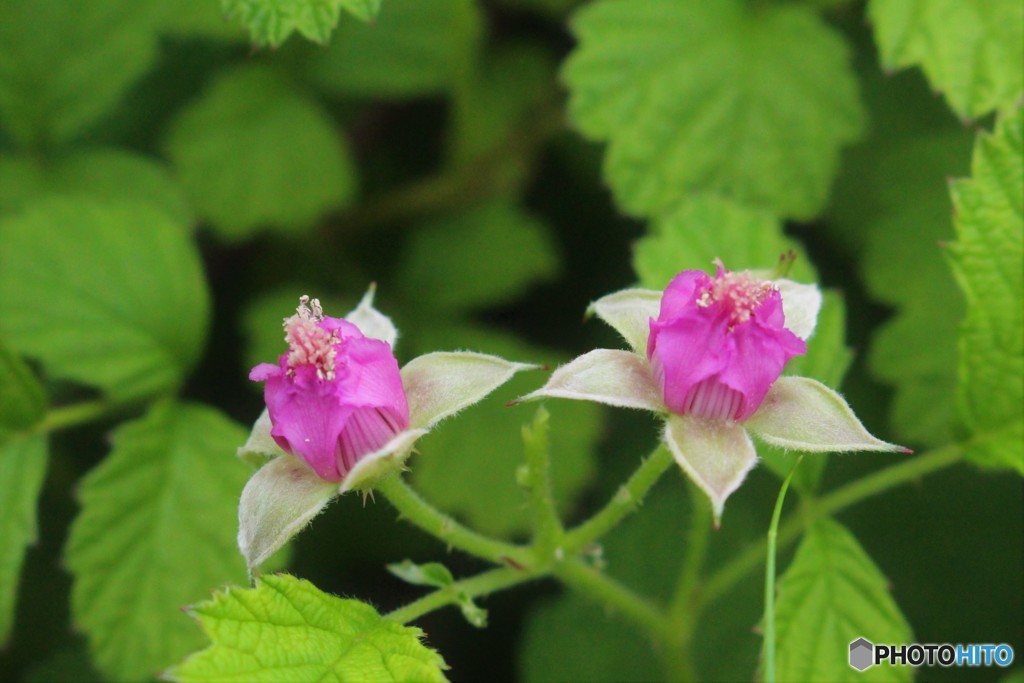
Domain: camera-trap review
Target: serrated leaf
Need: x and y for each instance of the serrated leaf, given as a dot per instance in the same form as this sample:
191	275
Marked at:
22	400
157	528
988	260
832	594
703	228
485	447
970	51
402	53
63	65
753	102
104	173
285	629
270	22
123	302
429	574
254	154
463	260
23	462
903	265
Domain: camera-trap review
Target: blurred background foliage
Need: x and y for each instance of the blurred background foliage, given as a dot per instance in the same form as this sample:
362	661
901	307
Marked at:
167	191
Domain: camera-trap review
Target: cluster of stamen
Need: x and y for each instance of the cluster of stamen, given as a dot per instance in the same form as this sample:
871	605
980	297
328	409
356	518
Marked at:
738	294
308	343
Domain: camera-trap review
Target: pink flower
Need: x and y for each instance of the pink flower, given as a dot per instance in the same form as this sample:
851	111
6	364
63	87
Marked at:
707	354
335	396
341	416
719	344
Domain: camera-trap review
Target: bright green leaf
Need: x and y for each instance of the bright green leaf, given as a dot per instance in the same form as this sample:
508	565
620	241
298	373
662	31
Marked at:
254	154
903	265
832	594
988	260
704	227
463	261
107	293
270	22
100	173
750	100
65	64
429	574
285	629
22	468
485	445
971	51
157	528
411	49
22	400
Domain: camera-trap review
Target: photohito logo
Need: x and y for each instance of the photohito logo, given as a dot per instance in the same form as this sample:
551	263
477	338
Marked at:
864	654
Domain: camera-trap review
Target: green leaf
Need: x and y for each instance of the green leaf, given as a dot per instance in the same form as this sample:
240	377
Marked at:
122	301
412	49
22	399
988	260
285	629
750	101
104	173
270	22
705	227
506	98
970	51
832	594
22	469
464	260
64	65
157	528
567	639
429	574
254	154
485	445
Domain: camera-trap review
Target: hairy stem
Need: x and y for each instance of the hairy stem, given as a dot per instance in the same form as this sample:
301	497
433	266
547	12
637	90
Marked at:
626	500
605	590
843	497
547	527
486	583
424	515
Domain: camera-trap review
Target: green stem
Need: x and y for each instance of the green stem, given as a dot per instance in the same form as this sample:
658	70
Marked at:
73	415
678	656
486	583
769	580
607	591
547	526
723	580
624	502
424	515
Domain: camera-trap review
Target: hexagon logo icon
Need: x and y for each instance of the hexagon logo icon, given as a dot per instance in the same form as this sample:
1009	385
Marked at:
861	654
